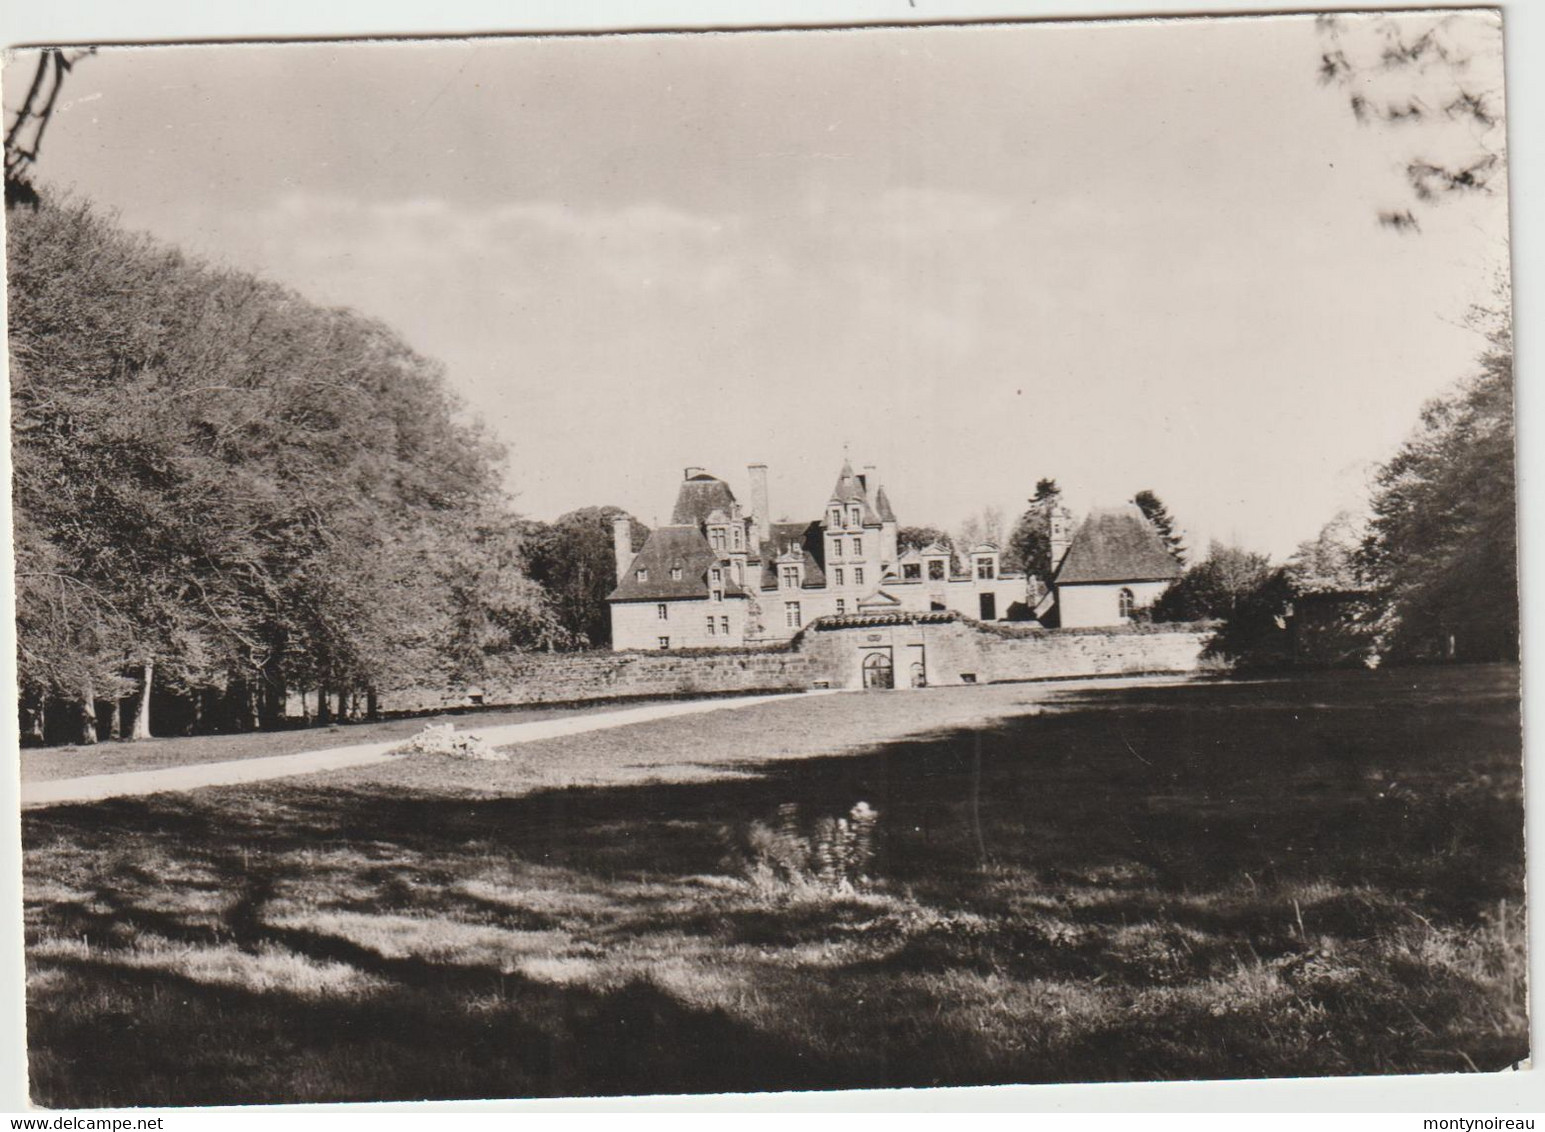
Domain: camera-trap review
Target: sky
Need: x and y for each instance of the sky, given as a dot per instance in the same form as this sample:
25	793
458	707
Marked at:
1129	256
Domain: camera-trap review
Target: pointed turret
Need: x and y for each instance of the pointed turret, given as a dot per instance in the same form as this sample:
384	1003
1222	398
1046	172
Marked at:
882	504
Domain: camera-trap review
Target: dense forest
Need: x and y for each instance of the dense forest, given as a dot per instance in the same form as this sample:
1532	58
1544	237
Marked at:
226	495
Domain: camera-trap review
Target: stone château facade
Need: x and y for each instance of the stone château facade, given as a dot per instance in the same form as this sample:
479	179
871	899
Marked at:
721	575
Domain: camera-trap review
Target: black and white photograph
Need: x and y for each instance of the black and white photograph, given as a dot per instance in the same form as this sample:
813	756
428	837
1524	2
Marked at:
641	562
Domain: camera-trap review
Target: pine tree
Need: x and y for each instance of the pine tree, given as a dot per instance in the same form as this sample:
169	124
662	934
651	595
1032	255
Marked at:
1157	514
1029	548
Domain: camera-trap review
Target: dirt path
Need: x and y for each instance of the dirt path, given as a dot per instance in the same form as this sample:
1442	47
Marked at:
98	786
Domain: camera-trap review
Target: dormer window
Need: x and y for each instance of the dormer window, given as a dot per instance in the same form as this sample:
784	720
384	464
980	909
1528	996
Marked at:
641	574
716	537
790	577
936	570
675	573
853	519
984	568
836	518
912	571
717	575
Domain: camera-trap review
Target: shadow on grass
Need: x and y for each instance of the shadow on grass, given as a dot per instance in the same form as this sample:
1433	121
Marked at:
1283	878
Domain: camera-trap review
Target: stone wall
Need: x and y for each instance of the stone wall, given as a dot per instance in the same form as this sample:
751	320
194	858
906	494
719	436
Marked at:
564	677
943	649
1053	653
962	652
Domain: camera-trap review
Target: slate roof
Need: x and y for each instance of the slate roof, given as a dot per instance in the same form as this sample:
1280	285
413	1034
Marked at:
699	497
882	504
677	545
783	535
1117	545
850	489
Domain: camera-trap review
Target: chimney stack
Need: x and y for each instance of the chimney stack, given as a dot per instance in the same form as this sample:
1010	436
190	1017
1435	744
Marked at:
759	505
622	544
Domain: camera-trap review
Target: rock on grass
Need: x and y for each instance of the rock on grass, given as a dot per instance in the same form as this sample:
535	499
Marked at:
443	739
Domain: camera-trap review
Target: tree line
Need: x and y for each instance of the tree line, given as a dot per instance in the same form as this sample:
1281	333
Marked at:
1429	571
226	496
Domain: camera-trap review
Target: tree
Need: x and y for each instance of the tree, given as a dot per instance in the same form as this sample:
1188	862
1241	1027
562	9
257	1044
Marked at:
1329	608
496	607
1328	562
1439	77
1157	514
1029	546
575	560
231	492
1441	551
1215	587
984	526
919	537
24	136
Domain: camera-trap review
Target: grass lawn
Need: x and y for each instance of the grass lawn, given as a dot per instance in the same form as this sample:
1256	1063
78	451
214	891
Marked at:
46	764
1321	875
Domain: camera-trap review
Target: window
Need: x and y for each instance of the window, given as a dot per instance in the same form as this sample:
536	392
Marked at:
717	575
665	642
936	570
984	568
912	571
853	516
837	576
858	575
791	577
717	538
842	607
1125	602
858	548
718	595
724	623
740	571
642	575
675	573
836	548
711	626
662	611
836	518
791	614
736	531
